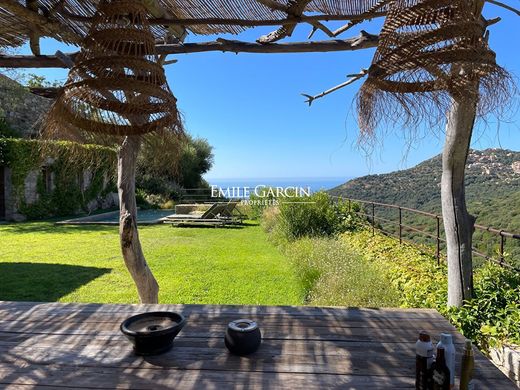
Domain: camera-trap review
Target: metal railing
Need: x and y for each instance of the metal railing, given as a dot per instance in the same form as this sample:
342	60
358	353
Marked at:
369	211
197	195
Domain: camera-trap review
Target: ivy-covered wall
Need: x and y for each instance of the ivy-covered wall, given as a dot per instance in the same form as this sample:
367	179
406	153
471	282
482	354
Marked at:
49	178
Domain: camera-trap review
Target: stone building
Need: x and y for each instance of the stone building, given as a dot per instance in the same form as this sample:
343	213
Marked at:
21	113
21	110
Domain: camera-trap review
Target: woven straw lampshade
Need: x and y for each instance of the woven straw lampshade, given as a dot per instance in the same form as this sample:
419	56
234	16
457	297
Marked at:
429	50
420	43
117	87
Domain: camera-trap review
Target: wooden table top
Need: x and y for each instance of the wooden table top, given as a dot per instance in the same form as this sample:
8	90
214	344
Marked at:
54	345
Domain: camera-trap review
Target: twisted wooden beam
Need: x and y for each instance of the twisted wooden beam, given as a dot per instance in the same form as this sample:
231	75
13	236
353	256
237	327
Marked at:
363	41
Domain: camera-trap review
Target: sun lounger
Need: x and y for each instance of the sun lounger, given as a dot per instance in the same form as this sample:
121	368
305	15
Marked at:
218	214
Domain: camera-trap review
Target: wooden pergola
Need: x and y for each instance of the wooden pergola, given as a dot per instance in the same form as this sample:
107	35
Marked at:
68	21
75	346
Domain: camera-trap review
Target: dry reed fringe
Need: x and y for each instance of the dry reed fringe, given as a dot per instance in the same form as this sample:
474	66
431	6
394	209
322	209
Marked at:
430	52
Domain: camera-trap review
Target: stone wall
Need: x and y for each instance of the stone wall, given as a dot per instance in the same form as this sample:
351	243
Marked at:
31	196
21	109
507	359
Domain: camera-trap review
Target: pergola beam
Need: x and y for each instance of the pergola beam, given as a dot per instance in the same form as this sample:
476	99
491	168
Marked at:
363	41
168	21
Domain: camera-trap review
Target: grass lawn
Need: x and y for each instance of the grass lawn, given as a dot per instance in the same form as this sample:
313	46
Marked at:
43	262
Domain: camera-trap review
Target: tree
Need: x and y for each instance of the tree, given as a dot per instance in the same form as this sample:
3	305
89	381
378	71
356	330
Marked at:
196	160
181	164
427	72
147	285
458	223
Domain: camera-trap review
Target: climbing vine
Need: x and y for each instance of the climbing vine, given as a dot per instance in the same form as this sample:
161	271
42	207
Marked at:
67	162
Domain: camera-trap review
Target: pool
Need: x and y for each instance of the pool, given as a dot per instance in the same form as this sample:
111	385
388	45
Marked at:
144	217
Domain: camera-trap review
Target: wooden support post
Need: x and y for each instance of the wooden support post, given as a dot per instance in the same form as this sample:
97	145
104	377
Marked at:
438	252
373	219
147	286
502	245
363	41
400	225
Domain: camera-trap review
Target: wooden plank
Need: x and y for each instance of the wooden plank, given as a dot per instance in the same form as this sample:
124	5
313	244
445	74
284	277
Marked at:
338	312
154	379
214	347
217	330
275	346
99	377
146	379
202	318
329	357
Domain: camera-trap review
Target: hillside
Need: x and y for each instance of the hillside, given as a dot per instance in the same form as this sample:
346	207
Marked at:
492	187
492	190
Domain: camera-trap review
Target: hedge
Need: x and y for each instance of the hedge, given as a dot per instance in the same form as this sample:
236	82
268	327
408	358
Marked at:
490	318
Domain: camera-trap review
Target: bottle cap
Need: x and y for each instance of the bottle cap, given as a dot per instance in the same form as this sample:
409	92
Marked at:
423	336
468	345
446	338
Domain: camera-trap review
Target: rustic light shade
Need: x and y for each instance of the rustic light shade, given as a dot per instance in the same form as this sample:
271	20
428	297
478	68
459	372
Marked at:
117	87
429	51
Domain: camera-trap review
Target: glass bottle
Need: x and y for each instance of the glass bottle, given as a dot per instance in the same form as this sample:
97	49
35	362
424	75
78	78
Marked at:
467	366
440	372
423	361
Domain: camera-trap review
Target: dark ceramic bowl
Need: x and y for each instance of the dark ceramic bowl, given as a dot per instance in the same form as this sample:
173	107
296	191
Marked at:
243	337
153	333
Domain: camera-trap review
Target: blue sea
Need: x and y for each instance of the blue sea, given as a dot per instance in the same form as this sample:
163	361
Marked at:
315	184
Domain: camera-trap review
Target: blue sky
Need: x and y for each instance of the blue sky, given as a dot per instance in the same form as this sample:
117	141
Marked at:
250	109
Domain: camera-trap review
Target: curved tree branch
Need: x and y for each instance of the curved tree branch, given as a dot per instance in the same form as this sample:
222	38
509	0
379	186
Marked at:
505	6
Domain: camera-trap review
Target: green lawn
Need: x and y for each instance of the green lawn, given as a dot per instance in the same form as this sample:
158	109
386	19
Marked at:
43	262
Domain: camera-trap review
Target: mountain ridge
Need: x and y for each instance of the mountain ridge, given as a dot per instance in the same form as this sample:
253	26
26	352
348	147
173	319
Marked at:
492	187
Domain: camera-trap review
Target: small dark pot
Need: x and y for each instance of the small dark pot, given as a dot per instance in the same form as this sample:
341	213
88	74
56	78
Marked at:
153	333
243	337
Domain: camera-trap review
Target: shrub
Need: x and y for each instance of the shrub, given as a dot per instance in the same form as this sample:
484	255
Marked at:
6	131
180	163
270	218
493	316
314	216
168	205
257	204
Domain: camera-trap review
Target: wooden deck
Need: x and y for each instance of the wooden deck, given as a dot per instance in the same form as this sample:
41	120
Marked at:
80	346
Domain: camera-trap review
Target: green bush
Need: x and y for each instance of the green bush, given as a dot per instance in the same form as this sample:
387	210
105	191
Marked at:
270	219
314	216
6	131
491	318
258	204
333	275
